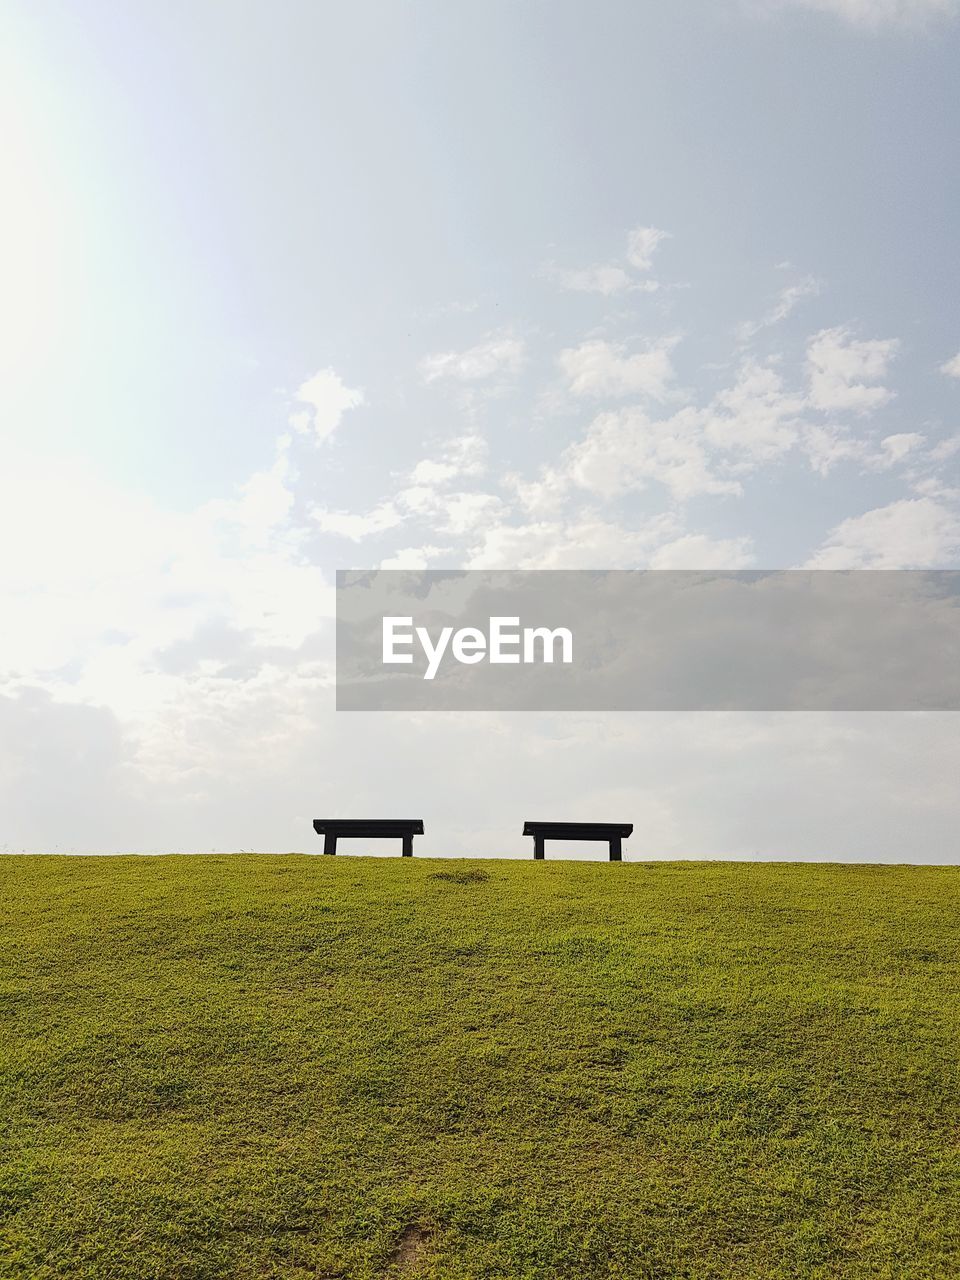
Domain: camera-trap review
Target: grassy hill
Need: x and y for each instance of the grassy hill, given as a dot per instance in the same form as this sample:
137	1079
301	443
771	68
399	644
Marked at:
248	1066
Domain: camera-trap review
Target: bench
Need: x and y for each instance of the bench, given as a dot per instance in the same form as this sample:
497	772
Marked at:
372	828
612	832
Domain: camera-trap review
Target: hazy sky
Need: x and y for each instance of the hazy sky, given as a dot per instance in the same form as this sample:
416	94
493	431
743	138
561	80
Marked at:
292	287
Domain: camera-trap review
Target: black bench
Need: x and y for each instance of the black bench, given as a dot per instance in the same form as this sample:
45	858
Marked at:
611	832
372	828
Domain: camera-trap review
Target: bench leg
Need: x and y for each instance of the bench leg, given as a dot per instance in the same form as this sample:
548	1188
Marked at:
538	847
407	846
329	843
616	849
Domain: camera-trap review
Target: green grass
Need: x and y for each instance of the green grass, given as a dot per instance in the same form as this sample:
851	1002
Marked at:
238	1067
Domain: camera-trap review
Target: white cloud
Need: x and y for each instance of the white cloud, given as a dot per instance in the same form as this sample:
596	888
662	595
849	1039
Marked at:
457	513
598	368
413	557
788	299
262	503
357	525
606	280
328	398
464	514
587	542
895	448
791	296
946	449
694	451
642	243
952	367
625	450
875	13
912	533
840	367
541	497
105	580
498	354
827	446
590	542
465	455
756	416
697	551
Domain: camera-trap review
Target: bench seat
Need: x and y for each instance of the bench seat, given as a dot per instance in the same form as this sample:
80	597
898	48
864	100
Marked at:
333	829
612	833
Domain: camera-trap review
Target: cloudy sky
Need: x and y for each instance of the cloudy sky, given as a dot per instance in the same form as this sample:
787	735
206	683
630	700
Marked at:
287	288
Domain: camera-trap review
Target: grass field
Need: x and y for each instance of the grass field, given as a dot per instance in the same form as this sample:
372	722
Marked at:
301	1067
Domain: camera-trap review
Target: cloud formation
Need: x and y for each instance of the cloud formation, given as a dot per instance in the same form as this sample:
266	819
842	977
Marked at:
842	371
606	280
610	278
787	301
911	533
598	368
497	354
642	244
202	642
328	398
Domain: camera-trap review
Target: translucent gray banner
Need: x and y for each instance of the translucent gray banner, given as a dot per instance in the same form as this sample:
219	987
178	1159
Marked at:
648	640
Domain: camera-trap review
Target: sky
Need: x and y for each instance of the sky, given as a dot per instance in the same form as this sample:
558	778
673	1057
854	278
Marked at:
286	289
